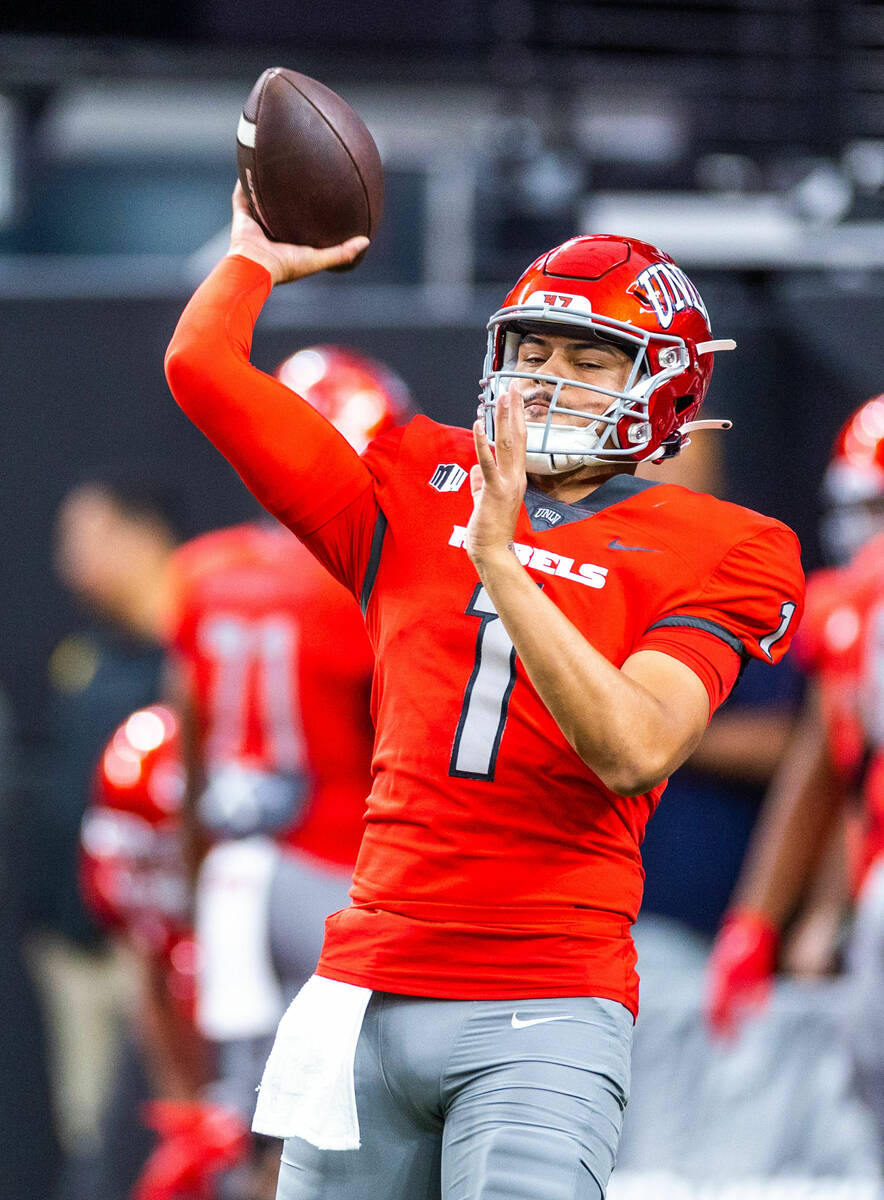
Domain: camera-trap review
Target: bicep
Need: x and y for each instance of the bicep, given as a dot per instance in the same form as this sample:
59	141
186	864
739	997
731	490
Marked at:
680	701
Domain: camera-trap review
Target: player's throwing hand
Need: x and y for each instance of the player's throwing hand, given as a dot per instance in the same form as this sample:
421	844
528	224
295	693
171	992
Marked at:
285	262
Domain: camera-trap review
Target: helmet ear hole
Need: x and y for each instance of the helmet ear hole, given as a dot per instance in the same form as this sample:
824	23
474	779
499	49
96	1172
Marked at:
681	403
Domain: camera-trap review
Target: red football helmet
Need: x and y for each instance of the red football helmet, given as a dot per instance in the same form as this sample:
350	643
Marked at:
623	291
132	866
359	396
853	485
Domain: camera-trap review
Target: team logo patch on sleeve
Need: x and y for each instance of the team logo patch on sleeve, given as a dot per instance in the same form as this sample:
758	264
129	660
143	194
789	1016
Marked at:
448	477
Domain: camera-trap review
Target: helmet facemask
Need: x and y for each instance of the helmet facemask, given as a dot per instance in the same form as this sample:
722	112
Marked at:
623	432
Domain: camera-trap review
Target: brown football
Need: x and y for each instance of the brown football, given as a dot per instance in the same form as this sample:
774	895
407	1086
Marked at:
308	165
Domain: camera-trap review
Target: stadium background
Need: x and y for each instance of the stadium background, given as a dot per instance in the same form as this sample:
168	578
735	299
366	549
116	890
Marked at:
745	138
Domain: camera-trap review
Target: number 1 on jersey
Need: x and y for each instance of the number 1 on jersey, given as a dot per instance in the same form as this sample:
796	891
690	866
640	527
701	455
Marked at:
483	715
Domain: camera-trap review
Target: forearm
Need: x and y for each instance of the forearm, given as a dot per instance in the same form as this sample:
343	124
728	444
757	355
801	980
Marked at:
178	694
618	727
174	1055
272	437
797	820
812	945
744	745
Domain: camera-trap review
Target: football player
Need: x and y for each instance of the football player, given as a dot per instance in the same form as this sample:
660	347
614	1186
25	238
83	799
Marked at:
551	636
133	879
271	673
834	758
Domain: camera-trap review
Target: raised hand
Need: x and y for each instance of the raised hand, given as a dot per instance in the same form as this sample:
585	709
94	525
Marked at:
498	480
285	262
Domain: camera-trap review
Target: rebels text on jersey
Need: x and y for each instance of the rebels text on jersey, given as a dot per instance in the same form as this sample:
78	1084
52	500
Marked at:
495	863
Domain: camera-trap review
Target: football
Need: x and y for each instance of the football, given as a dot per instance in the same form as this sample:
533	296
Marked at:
308	166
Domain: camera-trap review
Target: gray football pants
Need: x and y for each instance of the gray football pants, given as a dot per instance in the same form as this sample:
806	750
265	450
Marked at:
477	1100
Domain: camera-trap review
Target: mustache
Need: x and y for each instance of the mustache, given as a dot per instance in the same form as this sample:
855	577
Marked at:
538	395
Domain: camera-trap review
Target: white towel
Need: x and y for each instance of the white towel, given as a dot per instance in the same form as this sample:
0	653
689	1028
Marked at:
308	1090
238	993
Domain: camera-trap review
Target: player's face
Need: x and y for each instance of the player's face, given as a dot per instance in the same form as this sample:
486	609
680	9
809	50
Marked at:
567	357
85	544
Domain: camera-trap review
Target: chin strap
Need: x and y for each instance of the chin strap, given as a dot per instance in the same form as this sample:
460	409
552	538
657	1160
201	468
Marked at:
718	344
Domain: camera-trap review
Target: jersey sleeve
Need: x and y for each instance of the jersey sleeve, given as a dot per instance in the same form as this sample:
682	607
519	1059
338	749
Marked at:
296	464
749	607
349	544
713	661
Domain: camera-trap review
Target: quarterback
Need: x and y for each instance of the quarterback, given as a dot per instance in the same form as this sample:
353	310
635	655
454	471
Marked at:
551	636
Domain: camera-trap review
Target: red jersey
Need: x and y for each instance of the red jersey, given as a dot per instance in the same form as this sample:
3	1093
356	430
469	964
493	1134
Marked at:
841	643
495	863
279	668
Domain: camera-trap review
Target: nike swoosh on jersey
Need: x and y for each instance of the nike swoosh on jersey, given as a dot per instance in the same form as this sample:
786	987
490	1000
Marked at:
616	544
517	1024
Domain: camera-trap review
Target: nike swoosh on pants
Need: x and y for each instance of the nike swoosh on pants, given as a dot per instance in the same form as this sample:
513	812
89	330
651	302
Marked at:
517	1024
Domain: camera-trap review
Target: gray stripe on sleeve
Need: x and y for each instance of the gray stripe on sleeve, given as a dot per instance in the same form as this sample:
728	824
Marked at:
685	622
374	560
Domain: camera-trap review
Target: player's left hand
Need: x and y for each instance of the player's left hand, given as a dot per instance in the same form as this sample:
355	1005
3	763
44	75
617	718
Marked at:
740	971
498	481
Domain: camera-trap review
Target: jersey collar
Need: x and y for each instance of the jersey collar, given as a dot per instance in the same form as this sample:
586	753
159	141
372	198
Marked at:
546	513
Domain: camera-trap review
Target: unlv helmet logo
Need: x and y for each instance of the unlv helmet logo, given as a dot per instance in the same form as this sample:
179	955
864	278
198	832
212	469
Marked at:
666	289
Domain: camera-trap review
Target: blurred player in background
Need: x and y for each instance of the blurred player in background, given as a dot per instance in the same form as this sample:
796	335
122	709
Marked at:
469	1026
135	882
114	539
115	534
271	677
834	765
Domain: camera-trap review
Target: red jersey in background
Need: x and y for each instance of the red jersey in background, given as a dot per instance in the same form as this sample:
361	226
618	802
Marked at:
279	671
841	644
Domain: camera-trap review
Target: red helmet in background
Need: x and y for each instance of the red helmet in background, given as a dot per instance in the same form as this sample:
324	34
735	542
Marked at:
132	865
359	396
853	485
620	291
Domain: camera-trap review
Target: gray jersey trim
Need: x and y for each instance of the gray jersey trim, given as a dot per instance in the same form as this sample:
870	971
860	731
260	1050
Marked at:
719	631
374	560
